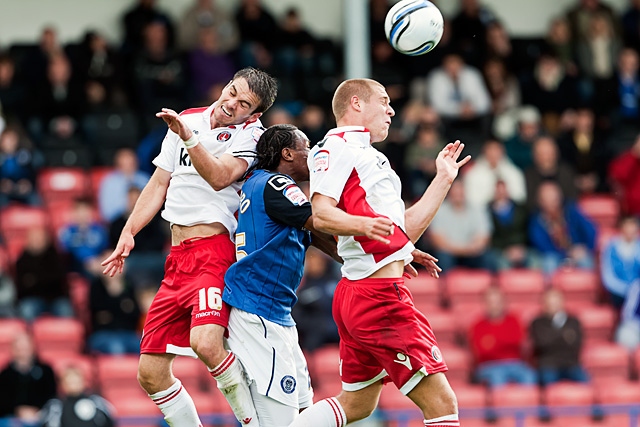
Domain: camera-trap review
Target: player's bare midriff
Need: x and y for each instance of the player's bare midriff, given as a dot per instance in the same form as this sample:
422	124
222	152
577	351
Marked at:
180	233
395	269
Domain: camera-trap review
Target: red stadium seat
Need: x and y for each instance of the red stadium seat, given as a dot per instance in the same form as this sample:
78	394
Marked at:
60	362
79	288
526	311
193	374
137	408
577	284
521	285
426	291
598	321
459	362
515	395
565	393
615	391
62	183
59	335
329	386
470	395
466	315
467	286
392	399
606	360
118	373
9	328
15	223
602	209
443	324
324	363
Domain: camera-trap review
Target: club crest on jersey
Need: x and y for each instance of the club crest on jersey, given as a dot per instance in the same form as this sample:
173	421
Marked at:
435	353
294	194
288	384
321	161
224	136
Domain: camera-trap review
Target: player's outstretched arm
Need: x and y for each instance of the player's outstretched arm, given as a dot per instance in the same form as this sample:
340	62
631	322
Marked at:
327	217
418	217
146	207
219	172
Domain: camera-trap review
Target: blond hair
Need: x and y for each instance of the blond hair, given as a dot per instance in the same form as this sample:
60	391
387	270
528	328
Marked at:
362	88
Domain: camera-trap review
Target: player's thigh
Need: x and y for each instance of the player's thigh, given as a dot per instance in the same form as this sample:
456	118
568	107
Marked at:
270	412
435	397
154	372
361	403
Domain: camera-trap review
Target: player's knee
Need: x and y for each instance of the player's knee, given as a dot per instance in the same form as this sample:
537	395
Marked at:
210	351
356	409
148	380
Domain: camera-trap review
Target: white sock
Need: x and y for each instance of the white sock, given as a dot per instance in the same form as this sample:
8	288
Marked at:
446	421
177	406
326	413
231	382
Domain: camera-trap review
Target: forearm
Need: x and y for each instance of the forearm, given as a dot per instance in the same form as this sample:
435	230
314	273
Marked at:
418	217
210	168
336	222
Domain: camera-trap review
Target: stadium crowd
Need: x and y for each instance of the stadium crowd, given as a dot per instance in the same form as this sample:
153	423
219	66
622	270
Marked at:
539	239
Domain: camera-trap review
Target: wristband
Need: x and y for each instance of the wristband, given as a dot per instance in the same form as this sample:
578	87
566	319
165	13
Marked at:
191	142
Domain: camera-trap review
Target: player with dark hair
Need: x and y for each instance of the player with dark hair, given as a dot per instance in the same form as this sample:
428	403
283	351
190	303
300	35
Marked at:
356	195
203	158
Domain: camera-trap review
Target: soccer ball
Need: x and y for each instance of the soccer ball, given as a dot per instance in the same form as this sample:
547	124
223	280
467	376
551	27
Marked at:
414	27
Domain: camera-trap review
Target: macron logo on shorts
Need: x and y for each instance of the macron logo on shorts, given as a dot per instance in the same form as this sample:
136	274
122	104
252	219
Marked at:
403	359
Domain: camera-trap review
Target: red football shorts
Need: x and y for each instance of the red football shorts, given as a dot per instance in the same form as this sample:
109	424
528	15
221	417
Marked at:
383	334
190	294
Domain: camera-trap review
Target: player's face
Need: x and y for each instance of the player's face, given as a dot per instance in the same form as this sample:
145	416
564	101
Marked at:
236	104
300	155
378	113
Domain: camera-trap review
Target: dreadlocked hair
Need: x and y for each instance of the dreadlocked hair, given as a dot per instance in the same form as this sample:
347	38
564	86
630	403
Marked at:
271	143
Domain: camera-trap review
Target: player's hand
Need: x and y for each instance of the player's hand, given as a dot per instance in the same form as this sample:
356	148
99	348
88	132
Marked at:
175	123
428	261
447	161
115	263
378	228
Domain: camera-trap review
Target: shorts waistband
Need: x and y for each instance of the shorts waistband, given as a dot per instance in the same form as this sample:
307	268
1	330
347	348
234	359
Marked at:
195	242
373	282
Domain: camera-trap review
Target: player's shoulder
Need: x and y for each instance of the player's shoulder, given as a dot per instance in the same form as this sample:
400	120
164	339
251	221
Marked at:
194	116
279	181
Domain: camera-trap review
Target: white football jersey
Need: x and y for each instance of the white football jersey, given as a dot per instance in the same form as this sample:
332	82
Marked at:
345	167
190	199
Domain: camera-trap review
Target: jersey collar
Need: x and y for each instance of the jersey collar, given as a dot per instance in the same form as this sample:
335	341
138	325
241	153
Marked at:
356	134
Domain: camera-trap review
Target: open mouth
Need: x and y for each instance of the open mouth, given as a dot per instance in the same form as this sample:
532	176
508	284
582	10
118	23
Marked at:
224	110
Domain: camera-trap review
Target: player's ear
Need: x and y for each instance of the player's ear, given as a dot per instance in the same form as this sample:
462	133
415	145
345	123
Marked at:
355	103
286	154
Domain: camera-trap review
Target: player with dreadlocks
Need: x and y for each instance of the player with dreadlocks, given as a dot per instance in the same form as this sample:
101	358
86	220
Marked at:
275	227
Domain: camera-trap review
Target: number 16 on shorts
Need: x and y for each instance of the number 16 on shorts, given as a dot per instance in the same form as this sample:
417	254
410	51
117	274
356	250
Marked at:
209	302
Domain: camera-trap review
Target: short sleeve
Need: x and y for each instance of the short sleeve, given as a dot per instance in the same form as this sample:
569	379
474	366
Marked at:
244	144
285	202
166	159
330	166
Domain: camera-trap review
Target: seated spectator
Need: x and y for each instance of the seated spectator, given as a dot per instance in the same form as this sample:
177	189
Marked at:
496	342
13	94
257	28
509	238
560	42
145	265
312	312
41	282
624	172
503	87
493	166
112	195
313	123
19	164
520	146
620	261
115	315
581	14
460	232
420	158
26	384
631	25
547	166
83	239
75	406
557	342
35	61
137	18
208	64
207	14
469	28
628	89
560	232
628	331
7	292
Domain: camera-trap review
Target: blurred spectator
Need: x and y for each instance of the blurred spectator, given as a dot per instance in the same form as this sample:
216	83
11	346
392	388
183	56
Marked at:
313	309
145	265
115	315
520	145
581	14
26	384
76	406
560	232
7	291
159	74
41	282
208	64
547	166
112	195
557	342
12	93
469	28
631	25
628	331
257	29
493	166
498	46
503	87
389	71
135	21
496	342
628	89
377	14
420	158
585	149
19	164
83	238
313	122
559	41
509	238
460	232
206	14
624	172
620	261
550	89
278	116
35	63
